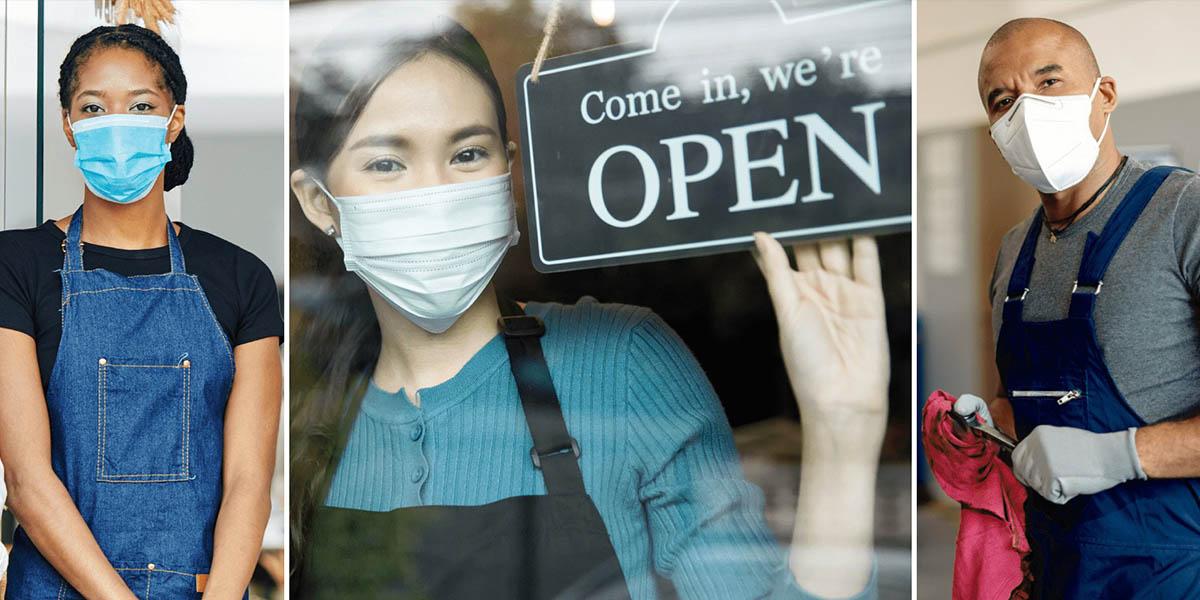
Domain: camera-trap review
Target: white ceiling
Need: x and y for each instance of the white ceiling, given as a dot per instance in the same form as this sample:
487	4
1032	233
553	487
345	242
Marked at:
943	22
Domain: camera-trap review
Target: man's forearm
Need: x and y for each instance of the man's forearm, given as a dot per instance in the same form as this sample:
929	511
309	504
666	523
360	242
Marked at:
1170	449
1002	415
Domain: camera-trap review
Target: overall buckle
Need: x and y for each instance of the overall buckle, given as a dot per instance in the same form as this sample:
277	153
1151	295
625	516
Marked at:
1095	292
1010	298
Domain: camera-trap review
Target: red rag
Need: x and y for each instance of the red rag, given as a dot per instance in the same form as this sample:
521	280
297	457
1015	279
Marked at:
991	533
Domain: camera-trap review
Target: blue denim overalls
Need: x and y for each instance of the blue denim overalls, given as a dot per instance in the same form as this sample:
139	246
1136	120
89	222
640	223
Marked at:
1140	539
137	403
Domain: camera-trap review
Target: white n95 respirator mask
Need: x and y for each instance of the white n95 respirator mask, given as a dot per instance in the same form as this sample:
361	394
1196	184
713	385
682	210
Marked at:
1047	140
429	252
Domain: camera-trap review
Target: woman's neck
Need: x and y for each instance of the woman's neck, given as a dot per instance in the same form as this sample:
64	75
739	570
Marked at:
412	358
134	226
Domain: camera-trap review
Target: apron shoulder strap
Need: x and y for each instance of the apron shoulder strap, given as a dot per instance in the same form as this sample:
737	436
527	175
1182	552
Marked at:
176	252
1099	250
72	246
554	451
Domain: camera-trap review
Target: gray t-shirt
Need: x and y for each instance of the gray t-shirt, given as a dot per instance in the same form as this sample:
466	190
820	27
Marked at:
1147	314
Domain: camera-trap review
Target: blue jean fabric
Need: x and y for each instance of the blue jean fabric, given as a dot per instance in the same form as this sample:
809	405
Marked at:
137	402
1138	540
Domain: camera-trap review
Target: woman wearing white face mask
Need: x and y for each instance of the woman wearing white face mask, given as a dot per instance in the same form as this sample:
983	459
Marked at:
459	445
136	458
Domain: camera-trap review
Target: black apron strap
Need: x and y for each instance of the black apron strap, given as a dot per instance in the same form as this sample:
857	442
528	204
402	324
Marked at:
554	451
1098	251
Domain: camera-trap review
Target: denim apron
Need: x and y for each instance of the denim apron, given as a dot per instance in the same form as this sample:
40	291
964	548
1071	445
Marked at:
1140	539
137	403
552	546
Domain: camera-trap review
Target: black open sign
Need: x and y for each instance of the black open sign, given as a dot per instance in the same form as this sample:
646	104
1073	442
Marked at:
798	124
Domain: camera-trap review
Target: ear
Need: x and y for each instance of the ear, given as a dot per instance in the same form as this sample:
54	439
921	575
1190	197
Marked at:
175	125
317	207
66	125
511	150
1108	94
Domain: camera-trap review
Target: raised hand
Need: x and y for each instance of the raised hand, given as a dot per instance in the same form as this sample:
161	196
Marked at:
832	333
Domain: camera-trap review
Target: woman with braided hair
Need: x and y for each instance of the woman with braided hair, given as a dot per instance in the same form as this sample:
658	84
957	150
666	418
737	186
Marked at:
139	362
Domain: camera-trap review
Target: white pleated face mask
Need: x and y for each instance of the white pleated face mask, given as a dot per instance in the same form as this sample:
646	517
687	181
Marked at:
1047	140
429	252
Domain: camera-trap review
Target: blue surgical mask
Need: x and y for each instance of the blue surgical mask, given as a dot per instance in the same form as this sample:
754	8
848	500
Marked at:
121	156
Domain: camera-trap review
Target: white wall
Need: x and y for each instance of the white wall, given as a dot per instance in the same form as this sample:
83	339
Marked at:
235	191
948	294
18	128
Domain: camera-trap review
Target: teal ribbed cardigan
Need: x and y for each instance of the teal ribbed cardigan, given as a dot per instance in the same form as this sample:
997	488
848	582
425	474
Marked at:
657	457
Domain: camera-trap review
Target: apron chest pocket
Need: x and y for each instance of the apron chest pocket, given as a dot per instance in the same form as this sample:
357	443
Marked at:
143	420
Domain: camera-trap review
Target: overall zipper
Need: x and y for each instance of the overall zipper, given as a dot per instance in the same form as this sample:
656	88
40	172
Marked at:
1063	396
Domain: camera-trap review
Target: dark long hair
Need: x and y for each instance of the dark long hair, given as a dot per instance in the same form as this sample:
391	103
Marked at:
335	331
158	52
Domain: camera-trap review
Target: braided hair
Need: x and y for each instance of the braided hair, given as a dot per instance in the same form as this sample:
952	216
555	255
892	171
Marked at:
171	78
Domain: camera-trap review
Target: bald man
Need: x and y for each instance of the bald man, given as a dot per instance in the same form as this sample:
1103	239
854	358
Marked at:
1096	314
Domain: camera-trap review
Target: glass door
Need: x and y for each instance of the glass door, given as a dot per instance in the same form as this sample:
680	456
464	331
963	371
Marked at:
19	164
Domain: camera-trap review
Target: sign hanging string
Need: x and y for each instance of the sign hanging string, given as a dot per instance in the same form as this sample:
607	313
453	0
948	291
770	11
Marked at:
548	31
151	12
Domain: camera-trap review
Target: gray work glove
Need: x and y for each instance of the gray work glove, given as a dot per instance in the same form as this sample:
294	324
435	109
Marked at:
1063	462
970	404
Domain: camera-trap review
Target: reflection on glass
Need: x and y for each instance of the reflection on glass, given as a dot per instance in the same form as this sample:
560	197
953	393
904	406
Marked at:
411	450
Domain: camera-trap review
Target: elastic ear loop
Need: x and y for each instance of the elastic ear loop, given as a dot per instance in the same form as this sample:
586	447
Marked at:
168	125
174	108
1091	97
332	199
323	189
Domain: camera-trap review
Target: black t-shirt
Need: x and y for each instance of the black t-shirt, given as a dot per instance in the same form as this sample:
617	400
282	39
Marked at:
239	286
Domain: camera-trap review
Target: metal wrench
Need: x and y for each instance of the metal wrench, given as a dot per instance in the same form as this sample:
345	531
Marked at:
973	423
